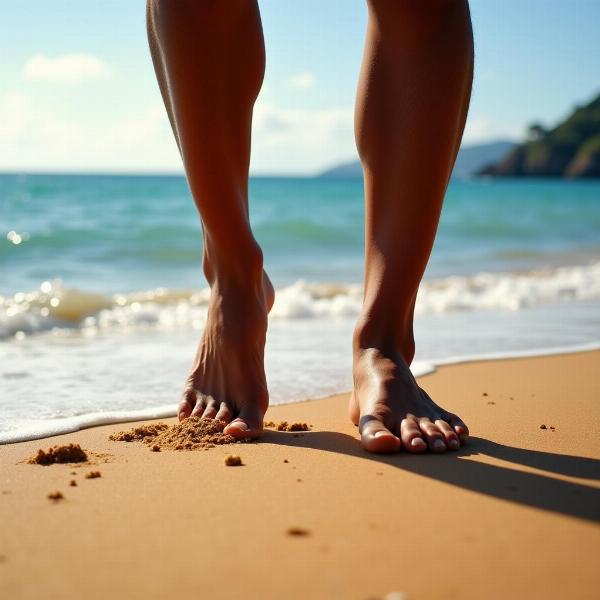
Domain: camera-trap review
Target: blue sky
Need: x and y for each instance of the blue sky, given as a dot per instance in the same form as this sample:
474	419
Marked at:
77	90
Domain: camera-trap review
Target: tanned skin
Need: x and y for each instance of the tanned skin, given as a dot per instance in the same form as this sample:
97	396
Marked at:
411	107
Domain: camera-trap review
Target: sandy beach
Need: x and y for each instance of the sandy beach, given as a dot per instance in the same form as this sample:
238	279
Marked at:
512	515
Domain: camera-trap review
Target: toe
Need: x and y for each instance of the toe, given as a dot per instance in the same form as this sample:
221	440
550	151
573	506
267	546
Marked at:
224	413
433	435
248	425
449	434
376	437
210	411
459	427
187	404
199	408
412	438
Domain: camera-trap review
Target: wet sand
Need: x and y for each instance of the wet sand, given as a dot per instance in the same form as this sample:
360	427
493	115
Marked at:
515	514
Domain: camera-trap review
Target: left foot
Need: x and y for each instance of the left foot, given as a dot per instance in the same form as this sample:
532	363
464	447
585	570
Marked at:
228	381
393	412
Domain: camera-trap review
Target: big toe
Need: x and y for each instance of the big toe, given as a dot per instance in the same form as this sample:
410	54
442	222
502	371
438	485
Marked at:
376	437
248	425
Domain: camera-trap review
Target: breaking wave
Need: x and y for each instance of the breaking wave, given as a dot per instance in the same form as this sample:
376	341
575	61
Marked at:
62	310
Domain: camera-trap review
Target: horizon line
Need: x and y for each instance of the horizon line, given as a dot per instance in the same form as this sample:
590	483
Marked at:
181	172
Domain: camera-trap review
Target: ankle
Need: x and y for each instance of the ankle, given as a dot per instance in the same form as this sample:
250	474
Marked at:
385	334
236	265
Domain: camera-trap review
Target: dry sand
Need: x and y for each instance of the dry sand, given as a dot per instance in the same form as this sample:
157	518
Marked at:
310	515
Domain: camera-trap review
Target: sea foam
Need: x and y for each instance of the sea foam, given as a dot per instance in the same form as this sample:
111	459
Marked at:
62	310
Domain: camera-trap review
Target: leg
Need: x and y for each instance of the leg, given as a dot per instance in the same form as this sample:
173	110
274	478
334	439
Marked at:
209	60
411	108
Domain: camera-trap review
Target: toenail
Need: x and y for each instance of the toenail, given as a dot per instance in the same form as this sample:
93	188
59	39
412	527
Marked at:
453	444
240	425
416	442
438	445
380	433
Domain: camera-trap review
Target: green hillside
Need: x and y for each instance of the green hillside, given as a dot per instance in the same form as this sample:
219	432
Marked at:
571	149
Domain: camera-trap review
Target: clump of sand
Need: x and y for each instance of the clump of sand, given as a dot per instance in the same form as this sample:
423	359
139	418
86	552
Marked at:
55	496
93	475
193	433
70	453
139	434
285	426
232	460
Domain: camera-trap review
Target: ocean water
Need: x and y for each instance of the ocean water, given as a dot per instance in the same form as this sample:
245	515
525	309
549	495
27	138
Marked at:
102	300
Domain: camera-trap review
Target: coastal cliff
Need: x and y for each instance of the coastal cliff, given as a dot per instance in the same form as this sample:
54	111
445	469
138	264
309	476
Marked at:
571	149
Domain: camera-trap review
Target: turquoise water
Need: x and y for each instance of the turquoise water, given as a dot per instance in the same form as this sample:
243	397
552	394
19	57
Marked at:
100	282
120	233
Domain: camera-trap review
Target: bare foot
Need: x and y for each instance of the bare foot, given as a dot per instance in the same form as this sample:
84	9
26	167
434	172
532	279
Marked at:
227	380
393	412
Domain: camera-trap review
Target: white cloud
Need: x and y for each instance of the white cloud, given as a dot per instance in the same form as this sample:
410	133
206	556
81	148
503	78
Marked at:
34	136
38	134
483	129
66	69
302	81
300	140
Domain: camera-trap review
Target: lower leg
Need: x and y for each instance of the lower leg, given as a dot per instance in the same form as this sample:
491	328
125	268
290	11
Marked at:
209	61
411	107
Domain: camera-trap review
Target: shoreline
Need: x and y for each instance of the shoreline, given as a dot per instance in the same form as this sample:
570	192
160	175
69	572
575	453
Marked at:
513	514
420	368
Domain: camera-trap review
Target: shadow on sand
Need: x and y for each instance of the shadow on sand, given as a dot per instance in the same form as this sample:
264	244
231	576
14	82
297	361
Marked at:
531	489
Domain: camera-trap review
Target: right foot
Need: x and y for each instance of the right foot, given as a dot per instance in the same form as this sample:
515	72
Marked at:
393	412
227	380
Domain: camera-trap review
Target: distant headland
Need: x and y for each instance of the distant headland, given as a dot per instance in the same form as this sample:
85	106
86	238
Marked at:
571	149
